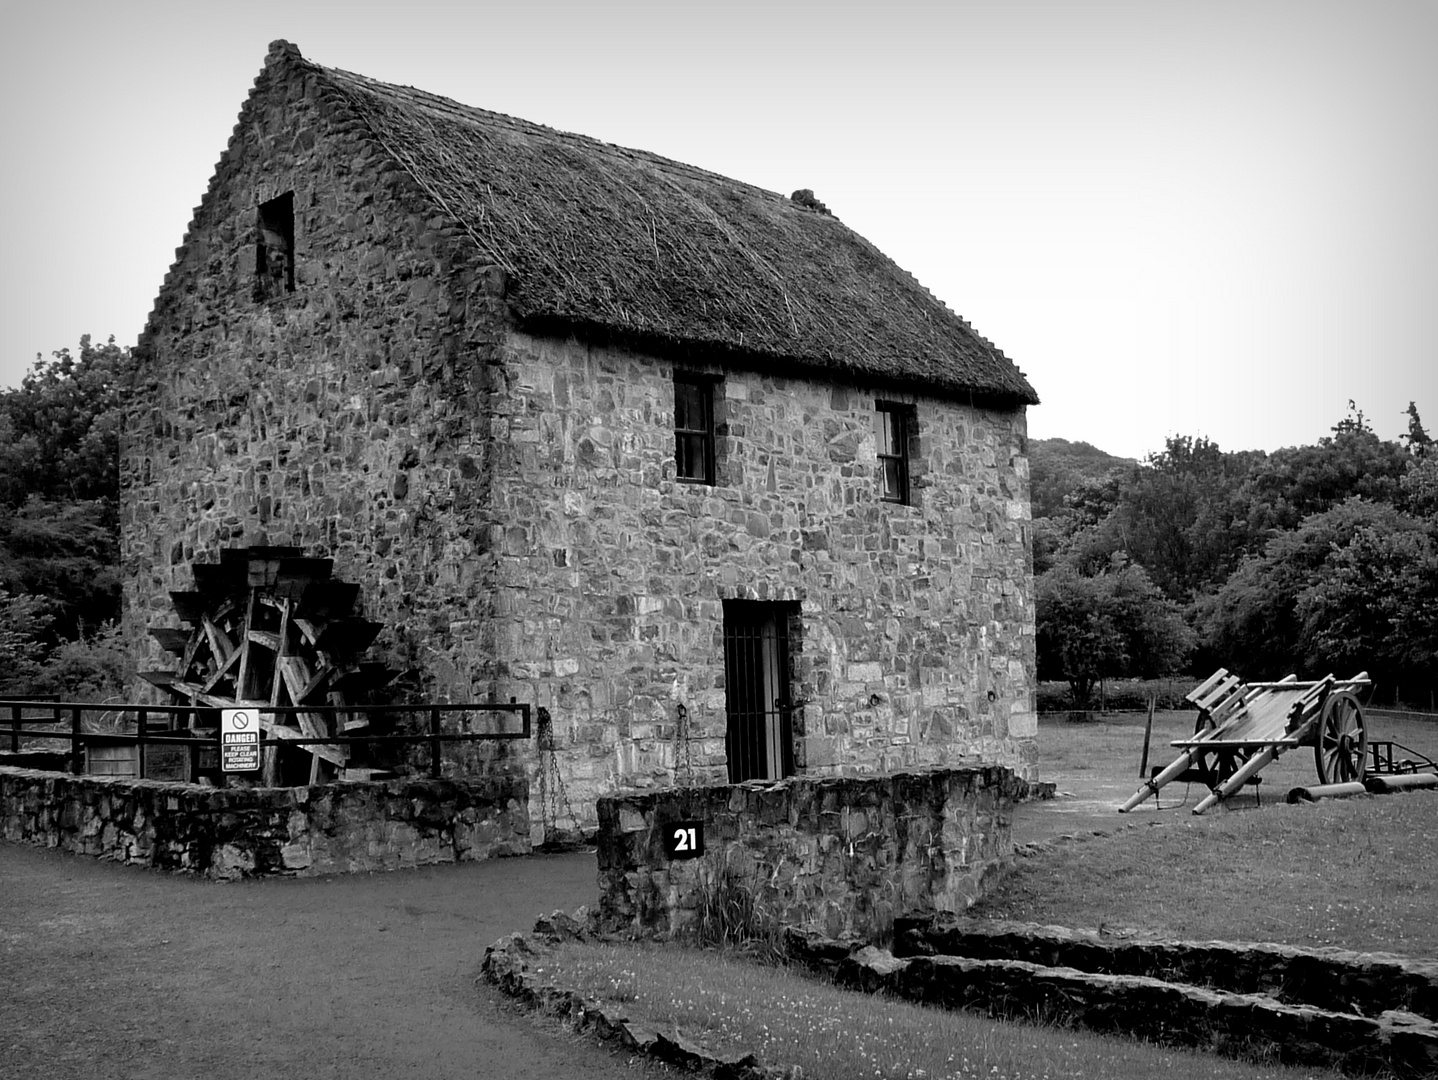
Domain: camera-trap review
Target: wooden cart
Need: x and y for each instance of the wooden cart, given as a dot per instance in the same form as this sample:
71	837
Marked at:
1243	726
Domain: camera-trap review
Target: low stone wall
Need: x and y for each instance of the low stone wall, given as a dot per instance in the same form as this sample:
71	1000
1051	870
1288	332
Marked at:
1365	983
229	833
1074	984
1173	1014
845	855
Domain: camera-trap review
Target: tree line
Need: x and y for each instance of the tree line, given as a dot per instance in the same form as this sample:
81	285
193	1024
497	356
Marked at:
59	525
1309	559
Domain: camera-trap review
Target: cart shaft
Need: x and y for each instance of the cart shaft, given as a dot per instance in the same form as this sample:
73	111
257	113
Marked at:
1239	778
1150	787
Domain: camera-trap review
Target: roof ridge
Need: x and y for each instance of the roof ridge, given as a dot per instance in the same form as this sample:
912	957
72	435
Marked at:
520	125
617	240
460	110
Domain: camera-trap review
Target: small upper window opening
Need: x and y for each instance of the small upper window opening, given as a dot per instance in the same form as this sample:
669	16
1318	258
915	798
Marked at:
891	430
275	248
694	428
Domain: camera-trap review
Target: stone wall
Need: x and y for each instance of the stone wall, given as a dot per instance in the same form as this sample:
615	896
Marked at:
915	631
245	832
1294	1015
1337	979
843	855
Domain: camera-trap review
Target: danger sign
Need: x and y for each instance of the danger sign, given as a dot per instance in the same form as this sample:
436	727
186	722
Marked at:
239	740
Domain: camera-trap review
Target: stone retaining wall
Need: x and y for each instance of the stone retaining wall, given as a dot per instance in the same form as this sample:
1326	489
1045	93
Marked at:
1073	986
842	854
228	833
1239	1025
1365	983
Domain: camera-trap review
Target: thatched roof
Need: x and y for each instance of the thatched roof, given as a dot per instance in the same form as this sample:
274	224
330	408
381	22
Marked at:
599	238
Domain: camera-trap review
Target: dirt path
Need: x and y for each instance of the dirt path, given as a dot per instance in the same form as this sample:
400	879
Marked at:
112	971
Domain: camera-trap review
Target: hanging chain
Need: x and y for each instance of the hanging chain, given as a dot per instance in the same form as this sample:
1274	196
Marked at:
552	794
683	756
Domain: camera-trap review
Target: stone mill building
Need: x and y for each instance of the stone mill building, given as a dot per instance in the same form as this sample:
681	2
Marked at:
686	462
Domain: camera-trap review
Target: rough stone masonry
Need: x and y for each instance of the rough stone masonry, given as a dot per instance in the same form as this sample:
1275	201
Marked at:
507	496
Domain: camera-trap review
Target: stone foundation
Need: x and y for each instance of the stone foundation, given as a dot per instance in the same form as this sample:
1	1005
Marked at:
228	833
845	855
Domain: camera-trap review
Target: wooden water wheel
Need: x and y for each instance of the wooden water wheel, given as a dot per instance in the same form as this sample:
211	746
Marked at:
268	626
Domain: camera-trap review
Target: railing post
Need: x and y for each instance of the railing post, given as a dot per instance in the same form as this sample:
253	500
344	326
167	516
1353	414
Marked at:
77	764
141	721
434	743
15	728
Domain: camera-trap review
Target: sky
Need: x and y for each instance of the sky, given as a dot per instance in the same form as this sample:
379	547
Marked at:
1203	218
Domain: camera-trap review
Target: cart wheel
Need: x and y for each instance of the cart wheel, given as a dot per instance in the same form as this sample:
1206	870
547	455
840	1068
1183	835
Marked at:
1341	752
1218	764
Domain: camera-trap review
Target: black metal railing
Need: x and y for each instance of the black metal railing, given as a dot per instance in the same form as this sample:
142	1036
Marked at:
37	718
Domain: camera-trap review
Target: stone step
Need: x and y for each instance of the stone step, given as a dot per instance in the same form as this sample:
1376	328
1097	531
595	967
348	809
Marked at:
1334	979
1138	1006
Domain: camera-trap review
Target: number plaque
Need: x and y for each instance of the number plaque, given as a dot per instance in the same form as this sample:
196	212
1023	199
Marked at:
684	839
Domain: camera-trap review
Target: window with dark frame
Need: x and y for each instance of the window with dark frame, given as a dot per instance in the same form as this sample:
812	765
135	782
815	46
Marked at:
892	427
275	247
694	428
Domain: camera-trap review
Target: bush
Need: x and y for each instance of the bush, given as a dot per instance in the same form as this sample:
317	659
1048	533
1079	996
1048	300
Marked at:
24	645
95	668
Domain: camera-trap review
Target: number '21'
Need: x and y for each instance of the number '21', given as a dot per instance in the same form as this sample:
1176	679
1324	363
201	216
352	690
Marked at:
685	840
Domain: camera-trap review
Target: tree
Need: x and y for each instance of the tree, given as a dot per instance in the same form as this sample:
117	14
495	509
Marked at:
1420	488
1345	589
1192	512
1373	604
61	427
1420	443
1178	515
1299	481
1108	625
24	622
69	552
1057	467
59	485
93	667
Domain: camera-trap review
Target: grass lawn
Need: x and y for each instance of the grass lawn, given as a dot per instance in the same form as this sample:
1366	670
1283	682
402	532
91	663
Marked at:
1356	874
728	1003
1353	873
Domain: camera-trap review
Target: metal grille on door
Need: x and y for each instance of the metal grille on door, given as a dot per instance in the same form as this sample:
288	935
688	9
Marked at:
759	741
